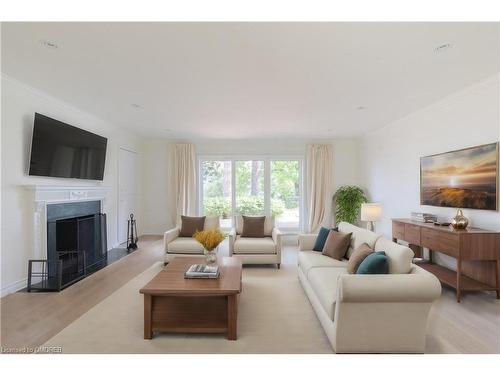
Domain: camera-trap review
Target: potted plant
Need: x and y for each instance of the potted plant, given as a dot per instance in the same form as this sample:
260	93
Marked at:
348	200
210	240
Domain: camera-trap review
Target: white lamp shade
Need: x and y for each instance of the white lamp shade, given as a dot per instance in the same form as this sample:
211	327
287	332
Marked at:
371	211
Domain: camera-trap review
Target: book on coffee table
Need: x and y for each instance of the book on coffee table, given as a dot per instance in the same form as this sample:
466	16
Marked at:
202	271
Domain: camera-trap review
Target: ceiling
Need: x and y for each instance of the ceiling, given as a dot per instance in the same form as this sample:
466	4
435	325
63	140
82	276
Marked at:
250	80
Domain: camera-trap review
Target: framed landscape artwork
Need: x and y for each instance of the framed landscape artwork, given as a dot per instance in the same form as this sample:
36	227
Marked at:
466	178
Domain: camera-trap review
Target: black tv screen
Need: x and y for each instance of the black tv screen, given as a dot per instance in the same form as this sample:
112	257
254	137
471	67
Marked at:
62	150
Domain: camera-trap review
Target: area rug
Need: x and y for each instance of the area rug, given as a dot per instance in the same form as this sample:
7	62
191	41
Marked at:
274	316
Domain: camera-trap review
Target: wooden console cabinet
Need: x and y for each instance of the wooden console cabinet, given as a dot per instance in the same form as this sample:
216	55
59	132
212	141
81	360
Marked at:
477	252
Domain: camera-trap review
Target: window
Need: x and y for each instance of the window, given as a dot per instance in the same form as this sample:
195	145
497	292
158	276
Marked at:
262	186
285	192
249	187
216	196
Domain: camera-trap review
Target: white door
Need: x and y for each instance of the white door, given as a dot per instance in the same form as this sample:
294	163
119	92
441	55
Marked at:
127	190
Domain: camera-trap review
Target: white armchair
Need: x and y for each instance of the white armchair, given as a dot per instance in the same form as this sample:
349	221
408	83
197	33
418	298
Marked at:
261	250
185	246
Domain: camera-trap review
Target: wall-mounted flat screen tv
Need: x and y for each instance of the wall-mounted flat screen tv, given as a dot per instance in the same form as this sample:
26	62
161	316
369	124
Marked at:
466	178
62	150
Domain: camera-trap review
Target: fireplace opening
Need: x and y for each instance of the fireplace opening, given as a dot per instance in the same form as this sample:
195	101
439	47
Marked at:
76	246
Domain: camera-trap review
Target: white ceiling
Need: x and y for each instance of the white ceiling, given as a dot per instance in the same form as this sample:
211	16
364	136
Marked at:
250	80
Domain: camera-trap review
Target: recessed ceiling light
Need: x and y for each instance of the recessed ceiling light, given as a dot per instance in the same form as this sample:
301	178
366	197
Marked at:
135	105
49	44
442	47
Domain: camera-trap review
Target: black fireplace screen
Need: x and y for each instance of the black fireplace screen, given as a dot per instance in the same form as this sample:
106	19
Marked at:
79	243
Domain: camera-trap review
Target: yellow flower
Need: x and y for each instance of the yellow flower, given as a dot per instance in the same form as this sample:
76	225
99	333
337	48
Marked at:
209	239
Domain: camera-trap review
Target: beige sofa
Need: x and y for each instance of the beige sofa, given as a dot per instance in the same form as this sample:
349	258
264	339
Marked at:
185	246
265	250
368	313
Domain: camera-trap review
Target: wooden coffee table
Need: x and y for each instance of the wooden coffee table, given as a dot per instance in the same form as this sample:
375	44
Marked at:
175	304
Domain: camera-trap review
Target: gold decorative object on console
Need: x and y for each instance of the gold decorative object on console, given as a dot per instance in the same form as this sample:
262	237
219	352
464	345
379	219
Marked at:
459	221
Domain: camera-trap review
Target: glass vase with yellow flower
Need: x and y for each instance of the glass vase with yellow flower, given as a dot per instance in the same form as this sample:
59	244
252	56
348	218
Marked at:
210	240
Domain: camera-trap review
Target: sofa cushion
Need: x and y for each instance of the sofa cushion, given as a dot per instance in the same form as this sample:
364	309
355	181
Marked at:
321	239
323	281
400	257
253	226
336	244
359	236
311	259
211	222
249	245
374	264
357	257
191	224
185	245
268	225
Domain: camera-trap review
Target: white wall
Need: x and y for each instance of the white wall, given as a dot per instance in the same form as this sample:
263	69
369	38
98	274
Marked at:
157	195
155	190
19	103
391	156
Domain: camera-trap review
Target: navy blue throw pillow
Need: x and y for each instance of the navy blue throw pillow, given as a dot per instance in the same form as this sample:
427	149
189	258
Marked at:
375	263
321	239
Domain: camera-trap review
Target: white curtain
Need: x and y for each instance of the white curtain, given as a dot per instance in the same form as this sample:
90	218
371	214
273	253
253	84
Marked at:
184	179
319	185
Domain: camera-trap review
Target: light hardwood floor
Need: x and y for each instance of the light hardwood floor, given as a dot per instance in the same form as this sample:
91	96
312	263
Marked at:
472	326
30	319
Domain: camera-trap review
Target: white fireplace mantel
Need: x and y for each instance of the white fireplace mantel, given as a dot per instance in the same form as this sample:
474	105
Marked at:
57	194
44	195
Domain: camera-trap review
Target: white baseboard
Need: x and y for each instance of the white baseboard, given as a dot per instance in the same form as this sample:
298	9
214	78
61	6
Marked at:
13	287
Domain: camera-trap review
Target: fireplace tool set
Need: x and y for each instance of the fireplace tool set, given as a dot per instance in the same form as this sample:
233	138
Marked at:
132	238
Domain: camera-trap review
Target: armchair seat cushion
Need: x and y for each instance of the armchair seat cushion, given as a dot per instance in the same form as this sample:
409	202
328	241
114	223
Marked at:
250	245
184	245
324	281
310	259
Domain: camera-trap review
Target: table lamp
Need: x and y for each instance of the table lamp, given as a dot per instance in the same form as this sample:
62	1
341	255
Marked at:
371	212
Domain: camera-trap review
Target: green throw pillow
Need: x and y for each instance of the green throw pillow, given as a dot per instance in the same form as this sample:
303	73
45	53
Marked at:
321	239
375	263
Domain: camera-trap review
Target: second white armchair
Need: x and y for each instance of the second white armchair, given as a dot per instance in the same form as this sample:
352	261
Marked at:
256	250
